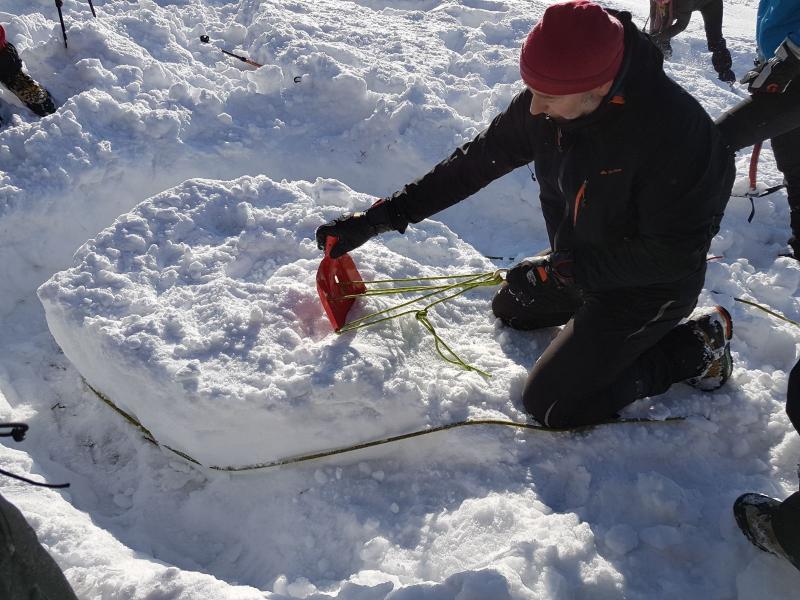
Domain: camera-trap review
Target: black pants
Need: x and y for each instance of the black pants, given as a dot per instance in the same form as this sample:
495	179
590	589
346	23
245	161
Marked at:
615	348
26	569
786	522
775	117
712	21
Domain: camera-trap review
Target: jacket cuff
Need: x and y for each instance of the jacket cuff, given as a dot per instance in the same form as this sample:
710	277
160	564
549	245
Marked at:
385	215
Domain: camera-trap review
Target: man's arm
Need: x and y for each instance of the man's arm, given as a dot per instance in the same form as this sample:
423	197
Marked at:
680	195
507	143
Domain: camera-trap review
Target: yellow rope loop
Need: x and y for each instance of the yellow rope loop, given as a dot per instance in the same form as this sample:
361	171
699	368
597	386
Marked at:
463	284
439	343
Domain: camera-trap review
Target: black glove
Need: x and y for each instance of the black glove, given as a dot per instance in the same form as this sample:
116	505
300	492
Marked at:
775	75
352	230
721	60
526	279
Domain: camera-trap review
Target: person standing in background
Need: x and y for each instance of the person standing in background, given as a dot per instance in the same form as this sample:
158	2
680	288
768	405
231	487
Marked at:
668	18
773	112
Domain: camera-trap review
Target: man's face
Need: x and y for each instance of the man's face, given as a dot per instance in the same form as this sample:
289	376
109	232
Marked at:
567	107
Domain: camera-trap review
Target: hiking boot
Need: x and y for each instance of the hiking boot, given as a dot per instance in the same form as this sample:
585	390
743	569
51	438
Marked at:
754	515
32	95
714	328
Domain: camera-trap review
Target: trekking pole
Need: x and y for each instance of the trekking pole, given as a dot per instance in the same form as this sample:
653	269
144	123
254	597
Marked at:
59	4
205	39
94	14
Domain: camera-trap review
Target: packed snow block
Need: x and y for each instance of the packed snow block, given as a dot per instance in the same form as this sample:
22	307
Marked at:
197	314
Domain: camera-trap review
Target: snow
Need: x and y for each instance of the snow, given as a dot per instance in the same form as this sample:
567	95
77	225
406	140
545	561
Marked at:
165	214
198	314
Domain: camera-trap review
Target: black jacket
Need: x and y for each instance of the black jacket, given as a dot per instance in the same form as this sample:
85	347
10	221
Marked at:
635	190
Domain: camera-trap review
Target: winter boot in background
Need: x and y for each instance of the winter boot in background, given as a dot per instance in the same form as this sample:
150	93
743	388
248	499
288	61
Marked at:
715	329
32	95
755	515
721	60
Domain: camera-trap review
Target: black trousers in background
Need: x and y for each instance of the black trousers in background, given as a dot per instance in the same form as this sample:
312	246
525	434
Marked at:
711	11
27	571
712	21
616	347
786	522
775	117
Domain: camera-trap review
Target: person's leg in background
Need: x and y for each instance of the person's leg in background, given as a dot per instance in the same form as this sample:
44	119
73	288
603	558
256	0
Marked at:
772	525
786	148
720	55
26	569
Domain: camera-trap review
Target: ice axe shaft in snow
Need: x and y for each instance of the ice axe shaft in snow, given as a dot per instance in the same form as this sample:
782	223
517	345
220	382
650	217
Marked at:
337	278
59	5
205	39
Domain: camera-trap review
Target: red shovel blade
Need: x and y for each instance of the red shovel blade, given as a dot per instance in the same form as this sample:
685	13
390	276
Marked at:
335	278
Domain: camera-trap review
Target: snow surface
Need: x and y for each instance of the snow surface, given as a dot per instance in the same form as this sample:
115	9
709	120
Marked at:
192	305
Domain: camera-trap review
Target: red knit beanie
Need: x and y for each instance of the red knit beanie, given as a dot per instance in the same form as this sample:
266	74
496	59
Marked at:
2	37
575	47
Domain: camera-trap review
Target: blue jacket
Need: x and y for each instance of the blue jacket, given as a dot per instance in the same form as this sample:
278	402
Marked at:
776	20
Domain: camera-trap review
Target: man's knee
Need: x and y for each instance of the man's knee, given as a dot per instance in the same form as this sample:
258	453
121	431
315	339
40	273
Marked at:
544	404
544	312
502	304
506	308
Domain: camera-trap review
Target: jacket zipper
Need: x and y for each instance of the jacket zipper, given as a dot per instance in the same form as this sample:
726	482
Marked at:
561	168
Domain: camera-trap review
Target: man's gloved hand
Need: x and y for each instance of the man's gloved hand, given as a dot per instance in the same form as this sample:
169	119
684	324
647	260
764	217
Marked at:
721	60
352	230
526	279
775	75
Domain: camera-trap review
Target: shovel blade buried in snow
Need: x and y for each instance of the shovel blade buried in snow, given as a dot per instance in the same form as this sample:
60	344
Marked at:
337	277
